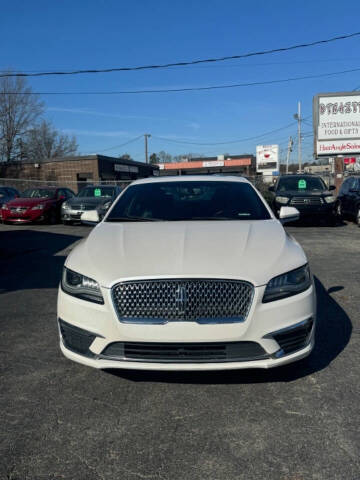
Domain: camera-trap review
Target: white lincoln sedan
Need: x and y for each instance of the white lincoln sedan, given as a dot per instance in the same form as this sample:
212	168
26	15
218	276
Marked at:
187	273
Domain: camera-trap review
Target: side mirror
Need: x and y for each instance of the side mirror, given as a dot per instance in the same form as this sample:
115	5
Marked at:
90	217
288	214
271	188
332	187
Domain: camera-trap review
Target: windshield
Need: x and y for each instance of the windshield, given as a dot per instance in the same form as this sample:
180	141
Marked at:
97	192
189	200
38	193
302	184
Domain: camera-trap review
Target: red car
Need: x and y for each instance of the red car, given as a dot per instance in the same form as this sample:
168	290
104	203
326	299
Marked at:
36	205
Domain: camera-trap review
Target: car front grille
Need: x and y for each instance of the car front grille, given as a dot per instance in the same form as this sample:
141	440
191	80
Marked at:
306	201
293	339
82	207
184	352
188	300
18	209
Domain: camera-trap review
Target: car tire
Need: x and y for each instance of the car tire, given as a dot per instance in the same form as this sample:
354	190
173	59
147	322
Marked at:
68	222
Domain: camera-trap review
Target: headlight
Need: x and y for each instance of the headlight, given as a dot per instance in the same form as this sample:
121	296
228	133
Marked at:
41	206
330	199
80	286
65	205
283	200
288	284
106	205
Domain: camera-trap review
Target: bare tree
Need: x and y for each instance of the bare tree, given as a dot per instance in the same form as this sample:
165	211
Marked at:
44	142
19	109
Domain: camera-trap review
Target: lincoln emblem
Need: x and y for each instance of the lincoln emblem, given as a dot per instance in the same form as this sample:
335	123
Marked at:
180	299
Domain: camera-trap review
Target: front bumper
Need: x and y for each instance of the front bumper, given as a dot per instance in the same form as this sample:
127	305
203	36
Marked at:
27	216
264	326
325	210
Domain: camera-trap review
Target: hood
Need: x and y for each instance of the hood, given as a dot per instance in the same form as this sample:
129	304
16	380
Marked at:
29	202
254	251
299	193
88	200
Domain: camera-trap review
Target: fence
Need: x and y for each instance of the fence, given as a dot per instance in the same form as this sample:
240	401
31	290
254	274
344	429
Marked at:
22	184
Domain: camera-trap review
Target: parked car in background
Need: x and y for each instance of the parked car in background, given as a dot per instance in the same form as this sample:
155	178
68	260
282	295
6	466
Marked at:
348	200
7	194
308	193
36	205
187	273
94	197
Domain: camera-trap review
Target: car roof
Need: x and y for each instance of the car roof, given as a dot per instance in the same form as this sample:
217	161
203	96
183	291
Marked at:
190	178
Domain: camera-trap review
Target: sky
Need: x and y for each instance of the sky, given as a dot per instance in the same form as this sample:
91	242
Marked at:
94	34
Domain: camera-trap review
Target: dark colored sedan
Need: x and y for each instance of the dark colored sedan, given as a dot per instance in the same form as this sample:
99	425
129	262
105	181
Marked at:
36	205
308	193
348	200
95	197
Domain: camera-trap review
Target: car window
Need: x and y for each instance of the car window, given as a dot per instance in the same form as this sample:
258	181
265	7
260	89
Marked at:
69	193
192	200
352	183
38	193
344	187
301	183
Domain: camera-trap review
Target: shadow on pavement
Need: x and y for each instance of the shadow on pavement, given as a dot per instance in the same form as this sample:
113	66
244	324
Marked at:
29	260
333	333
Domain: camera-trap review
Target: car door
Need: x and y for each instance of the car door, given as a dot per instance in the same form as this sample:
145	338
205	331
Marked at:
353	196
342	196
349	195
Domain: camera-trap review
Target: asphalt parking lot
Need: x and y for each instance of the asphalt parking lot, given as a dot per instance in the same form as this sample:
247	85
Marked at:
60	420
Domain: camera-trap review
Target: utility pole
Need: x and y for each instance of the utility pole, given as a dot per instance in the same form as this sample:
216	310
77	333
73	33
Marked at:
297	116
290	145
146	136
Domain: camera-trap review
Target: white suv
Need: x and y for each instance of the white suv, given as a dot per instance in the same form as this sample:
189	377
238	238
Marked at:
187	273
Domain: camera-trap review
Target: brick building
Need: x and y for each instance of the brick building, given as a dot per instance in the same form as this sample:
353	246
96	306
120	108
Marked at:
74	172
232	164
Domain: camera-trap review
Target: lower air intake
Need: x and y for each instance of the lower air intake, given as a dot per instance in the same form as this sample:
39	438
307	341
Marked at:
185	352
295	338
76	339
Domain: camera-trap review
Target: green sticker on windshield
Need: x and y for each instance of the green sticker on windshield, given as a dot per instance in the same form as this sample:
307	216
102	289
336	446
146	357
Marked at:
301	184
97	192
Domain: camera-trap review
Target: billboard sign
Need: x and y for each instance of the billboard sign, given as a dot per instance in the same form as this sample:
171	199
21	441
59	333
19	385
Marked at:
336	118
267	159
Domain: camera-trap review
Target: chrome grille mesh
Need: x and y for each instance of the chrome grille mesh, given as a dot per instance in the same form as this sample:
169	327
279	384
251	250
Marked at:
83	207
193	300
306	201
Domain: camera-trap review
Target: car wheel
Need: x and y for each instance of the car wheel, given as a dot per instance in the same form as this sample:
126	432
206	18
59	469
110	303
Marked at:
68	222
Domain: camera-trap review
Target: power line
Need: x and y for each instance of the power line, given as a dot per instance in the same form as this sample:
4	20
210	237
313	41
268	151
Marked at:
120	146
192	62
224	143
188	89
262	64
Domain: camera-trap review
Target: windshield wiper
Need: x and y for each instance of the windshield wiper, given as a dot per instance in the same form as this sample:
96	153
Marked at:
194	219
132	219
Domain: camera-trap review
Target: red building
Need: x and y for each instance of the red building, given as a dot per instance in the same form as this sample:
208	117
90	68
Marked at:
232	164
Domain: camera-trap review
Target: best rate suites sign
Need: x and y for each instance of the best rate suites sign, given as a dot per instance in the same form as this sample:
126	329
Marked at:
336	118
